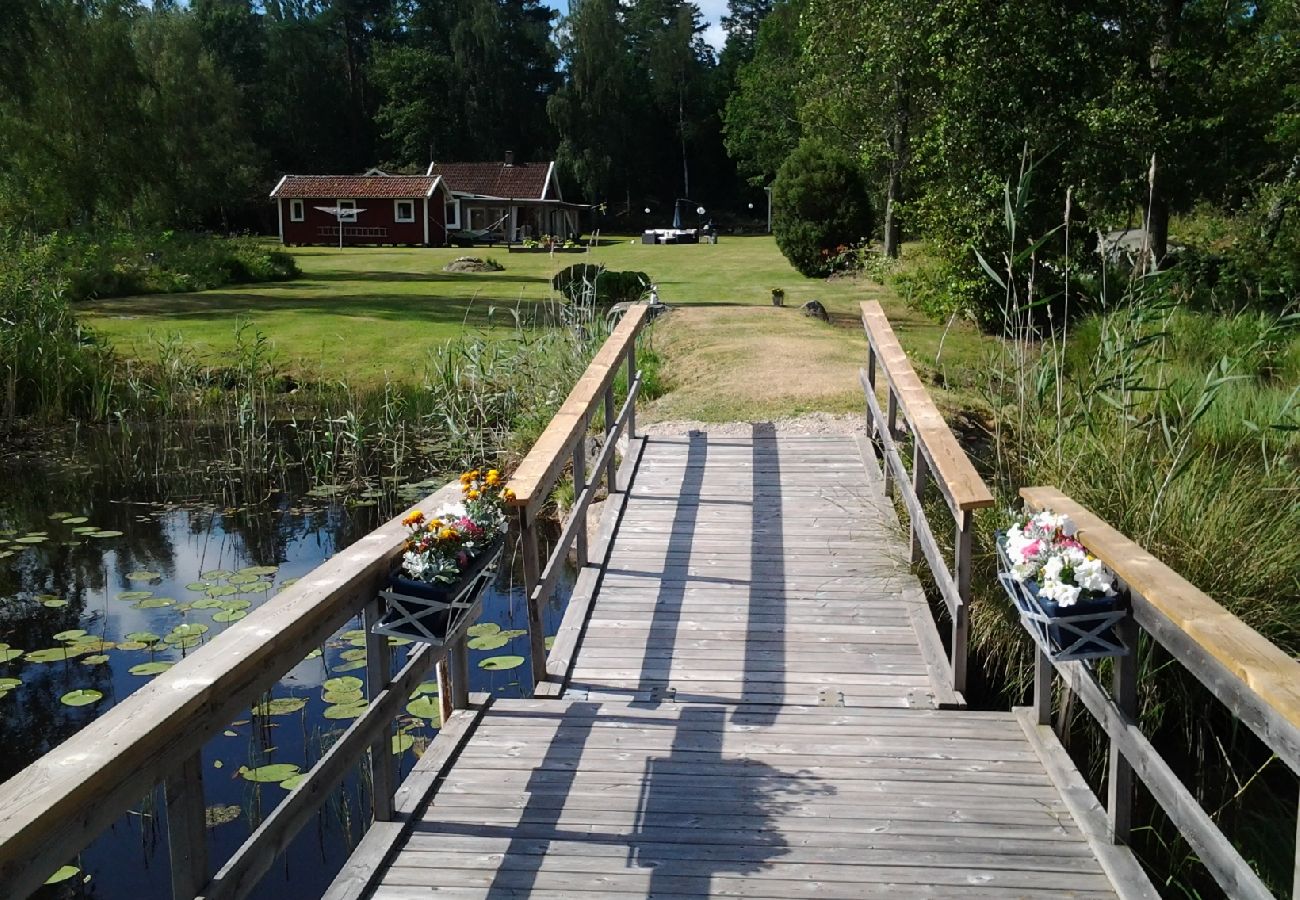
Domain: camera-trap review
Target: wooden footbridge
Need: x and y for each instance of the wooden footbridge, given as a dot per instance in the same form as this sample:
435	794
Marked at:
748	696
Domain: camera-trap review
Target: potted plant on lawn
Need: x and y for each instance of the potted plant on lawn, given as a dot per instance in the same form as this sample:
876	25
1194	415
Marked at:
450	556
1066	596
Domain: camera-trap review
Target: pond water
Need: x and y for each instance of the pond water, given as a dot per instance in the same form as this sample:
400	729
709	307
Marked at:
108	577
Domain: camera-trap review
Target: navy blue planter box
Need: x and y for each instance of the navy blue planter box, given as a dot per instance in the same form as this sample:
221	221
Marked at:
436	612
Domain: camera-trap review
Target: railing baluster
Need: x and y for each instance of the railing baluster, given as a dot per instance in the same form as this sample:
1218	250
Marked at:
891	425
458	656
580	485
631	380
1119	787
611	469
1042	688
442	672
919	482
961	570
187	827
383	772
532	574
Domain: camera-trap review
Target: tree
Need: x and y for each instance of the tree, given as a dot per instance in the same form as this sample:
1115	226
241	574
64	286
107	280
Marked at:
762	112
820	201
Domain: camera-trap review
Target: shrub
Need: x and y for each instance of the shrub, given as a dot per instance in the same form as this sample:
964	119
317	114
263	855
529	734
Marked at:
819	203
582	282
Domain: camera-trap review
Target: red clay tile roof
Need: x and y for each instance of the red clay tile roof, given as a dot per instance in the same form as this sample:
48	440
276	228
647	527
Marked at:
521	181
355	187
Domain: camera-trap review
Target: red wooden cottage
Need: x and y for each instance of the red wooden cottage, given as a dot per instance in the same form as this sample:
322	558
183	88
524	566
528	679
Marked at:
508	200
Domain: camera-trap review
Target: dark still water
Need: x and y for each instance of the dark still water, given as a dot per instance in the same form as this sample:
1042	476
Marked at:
109	576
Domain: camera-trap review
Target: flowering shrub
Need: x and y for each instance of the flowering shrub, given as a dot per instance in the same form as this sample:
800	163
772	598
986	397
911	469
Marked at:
440	547
1043	549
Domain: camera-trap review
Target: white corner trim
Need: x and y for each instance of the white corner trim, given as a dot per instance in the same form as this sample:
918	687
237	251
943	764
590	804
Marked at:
429	171
426	221
433	187
546	188
279	184
279	218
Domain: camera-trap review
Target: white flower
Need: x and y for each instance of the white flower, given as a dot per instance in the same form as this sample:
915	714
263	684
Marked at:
451	511
1052	568
1063	594
1092	576
1022	572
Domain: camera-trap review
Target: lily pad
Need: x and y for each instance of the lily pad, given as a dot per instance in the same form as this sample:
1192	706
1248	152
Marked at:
402	742
85	529
97	659
293	781
59	516
233	605
63	874
399	641
154	603
346	683
48	655
9	654
31	539
549	642
350	666
189	629
82	697
342	698
483	629
76	520
199	587
501	663
222	815
273	773
222	590
488	642
280	706
132	645
215	574
424	708
344	710
353	655
258	570
230	615
143	576
54	603
157	667
207	603
241	578
71	634
315	654
107	533
8	684
513	633
131	596
424	687
145	637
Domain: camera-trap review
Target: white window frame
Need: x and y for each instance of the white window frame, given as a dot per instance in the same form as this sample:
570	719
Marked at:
453	222
344	204
297	211
397	211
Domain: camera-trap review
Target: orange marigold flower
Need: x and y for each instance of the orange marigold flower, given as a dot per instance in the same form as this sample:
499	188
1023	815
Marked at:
509	495
493	477
448	534
414	518
472	494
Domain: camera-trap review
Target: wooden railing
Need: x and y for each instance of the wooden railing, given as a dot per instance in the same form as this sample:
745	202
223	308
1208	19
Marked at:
937	458
564	443
1254	679
53	809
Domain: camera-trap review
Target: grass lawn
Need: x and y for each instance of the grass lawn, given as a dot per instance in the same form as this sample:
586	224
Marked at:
369	313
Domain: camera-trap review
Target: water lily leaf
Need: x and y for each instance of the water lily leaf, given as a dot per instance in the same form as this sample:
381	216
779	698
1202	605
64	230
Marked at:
344	711
93	645
513	633
549	642
82	697
132	645
483	629
402	742
97	659
5	693
232	605
189	629
315	654
188	642
273	773
399	641
199	587
353	655
9	654
293	781
222	815
207	603
54	603
215	574
280	706
58	516
134	595
85	529
424	687
50	654
424	708
222	590
8	684
240	578
258	571
62	874
217	764
353	634
288	582
346	683
146	637
151	668
487	642
31	539
501	663
71	634
143	576
230	615
75	520
154	603
104	534
342	698
350	666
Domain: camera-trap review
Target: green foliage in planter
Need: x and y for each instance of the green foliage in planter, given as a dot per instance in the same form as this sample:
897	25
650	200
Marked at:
820	200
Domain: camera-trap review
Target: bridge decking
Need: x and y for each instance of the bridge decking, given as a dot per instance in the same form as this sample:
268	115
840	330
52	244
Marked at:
751	713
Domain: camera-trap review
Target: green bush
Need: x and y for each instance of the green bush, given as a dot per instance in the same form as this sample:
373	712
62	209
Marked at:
819	204
582	283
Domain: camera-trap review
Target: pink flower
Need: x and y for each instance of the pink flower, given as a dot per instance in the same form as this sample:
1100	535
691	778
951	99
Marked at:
1032	550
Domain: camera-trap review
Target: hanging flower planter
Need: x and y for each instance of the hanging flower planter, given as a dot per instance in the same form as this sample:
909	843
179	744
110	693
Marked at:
1066	597
450	557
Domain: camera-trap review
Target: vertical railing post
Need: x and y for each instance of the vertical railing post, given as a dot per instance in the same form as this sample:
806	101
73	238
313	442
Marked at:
961	572
536	637
1042	687
458	663
631	379
579	485
383	772
919	480
611	469
187	828
890	424
1119	788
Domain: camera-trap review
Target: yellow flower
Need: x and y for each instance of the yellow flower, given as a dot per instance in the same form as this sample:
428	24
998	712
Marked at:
466	477
509	495
435	525
414	518
447	534
493	477
472	494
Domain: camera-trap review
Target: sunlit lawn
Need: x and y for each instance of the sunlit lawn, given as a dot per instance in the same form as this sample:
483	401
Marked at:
369	313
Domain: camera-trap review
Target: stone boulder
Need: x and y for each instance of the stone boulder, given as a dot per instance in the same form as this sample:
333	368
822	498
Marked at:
814	310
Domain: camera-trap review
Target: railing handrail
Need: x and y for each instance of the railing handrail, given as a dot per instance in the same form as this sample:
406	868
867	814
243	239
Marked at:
957	477
534	478
57	805
1255	667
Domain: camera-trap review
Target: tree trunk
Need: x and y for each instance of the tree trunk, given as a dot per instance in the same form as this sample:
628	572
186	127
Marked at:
898	151
1156	240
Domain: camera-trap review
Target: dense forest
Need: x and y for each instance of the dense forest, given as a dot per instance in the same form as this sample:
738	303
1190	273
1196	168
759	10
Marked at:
181	115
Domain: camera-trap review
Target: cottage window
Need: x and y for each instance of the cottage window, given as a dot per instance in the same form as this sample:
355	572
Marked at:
296	212
344	206
453	214
404	210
